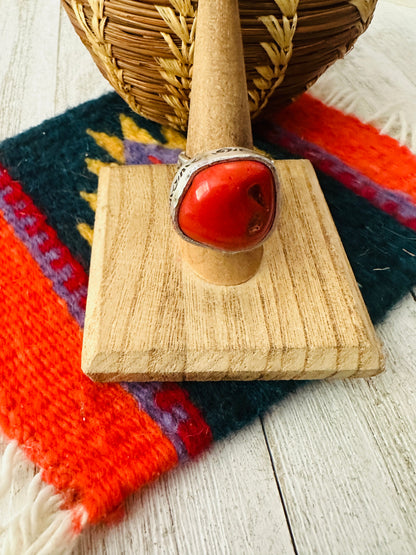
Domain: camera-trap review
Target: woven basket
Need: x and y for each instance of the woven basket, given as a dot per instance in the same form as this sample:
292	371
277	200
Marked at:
145	50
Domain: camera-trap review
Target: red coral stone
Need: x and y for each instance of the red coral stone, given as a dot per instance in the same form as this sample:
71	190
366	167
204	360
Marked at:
229	206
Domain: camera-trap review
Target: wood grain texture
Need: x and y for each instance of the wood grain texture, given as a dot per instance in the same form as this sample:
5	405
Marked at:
28	64
227	502
345	454
149	318
78	79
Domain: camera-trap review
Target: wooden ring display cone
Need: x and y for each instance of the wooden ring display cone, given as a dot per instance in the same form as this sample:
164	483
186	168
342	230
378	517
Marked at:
296	312
219	117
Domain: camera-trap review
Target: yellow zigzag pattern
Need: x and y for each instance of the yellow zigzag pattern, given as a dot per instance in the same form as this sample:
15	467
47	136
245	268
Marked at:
114	146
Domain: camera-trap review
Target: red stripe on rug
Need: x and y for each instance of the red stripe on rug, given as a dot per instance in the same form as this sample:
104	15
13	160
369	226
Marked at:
359	145
92	441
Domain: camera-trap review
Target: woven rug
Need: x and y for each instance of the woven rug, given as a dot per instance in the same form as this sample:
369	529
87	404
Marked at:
93	444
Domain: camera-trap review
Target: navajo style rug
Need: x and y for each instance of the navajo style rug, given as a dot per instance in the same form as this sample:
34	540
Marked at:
96	443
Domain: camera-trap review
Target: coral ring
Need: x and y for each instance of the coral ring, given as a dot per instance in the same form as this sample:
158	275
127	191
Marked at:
226	199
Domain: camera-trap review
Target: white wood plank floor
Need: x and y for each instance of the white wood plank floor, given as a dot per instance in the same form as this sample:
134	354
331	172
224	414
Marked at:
332	469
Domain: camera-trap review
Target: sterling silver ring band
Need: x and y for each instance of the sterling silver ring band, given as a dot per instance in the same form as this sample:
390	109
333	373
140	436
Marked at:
189	167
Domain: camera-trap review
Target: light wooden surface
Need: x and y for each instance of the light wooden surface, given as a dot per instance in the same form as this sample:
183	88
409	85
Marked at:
219	117
219	114
301	316
330	470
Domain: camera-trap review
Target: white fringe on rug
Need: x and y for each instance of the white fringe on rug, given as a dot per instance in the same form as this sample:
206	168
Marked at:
31	519
384	98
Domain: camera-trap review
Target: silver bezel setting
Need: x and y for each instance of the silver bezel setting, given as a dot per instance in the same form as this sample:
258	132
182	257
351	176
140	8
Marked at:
189	167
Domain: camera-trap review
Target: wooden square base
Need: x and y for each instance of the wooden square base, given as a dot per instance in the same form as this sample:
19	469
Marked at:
149	317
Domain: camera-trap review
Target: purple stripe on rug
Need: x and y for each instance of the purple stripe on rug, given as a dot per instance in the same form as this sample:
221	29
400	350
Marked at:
138	153
396	203
144	393
33	243
46	250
